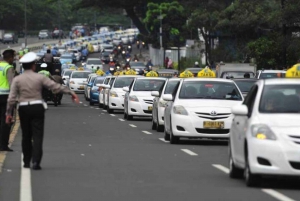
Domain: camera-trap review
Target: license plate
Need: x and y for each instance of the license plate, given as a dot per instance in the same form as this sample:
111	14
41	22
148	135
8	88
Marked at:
213	124
81	87
150	108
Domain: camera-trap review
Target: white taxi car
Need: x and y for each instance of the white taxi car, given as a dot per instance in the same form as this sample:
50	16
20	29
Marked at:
115	99
87	85
159	104
102	87
106	91
77	80
265	131
138	100
200	108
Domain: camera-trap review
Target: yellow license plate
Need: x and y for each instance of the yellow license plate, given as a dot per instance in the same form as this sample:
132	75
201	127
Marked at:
213	124
150	108
81	87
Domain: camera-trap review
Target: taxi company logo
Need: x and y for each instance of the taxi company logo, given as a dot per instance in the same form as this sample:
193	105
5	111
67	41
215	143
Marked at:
213	113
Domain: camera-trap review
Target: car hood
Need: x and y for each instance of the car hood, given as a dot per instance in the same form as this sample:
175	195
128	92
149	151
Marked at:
118	90
141	94
285	121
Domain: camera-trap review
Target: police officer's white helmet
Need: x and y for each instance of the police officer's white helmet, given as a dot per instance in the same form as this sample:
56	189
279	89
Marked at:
28	57
196	63
43	65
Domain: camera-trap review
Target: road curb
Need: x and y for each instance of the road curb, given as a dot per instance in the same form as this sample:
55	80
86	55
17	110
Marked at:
12	137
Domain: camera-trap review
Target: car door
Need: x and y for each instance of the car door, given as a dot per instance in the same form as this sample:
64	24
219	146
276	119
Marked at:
169	107
126	96
240	125
156	102
111	82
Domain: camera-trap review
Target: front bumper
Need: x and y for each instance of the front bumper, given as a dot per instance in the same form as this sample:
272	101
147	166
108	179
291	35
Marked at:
283	156
76	87
94	97
116	103
192	126
139	109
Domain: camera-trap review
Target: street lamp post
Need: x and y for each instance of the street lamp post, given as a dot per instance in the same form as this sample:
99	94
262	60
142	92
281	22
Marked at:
25	25
160	17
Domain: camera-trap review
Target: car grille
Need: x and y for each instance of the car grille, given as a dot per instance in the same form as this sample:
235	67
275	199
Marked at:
295	138
212	131
295	165
148	101
213	117
148	111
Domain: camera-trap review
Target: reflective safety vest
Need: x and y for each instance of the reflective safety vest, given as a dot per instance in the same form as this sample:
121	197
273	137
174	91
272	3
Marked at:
21	53
44	72
4	84
26	50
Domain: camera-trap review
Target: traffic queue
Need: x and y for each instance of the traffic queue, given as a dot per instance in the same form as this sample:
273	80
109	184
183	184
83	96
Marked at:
261	126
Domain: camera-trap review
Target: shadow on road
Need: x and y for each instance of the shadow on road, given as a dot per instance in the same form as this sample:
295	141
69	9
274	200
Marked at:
184	141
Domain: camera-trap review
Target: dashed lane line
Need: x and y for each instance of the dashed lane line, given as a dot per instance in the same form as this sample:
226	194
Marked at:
222	168
277	195
85	105
133	126
25	183
189	152
112	115
146	132
162	139
271	192
121	119
80	102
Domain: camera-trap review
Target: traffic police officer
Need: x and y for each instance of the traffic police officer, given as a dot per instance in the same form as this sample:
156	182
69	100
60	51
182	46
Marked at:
26	50
44	72
6	77
21	53
27	89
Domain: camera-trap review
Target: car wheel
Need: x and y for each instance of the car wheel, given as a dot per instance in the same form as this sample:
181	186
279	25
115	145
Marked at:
129	117
92	103
100	105
167	136
109	110
153	124
252	180
173	139
234	172
159	128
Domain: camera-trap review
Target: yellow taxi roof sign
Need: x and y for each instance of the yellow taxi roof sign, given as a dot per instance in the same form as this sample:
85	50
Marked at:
100	72
72	68
152	74
122	72
186	74
130	72
117	73
293	72
206	72
81	68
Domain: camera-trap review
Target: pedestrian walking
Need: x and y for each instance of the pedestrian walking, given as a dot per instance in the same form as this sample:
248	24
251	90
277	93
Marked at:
27	90
6	77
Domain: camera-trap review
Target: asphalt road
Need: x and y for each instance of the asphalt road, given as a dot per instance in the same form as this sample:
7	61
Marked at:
30	41
92	155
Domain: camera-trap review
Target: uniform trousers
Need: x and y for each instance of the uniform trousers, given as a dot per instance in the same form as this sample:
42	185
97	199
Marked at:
32	118
4	128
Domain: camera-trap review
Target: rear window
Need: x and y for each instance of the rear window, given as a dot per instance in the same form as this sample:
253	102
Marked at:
170	87
80	74
148	85
271	75
123	82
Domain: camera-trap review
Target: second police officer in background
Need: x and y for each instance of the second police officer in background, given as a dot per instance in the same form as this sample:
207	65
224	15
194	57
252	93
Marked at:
27	89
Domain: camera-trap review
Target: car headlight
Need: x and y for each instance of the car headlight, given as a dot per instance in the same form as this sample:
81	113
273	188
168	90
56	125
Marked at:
179	109
133	98
162	103
262	132
113	94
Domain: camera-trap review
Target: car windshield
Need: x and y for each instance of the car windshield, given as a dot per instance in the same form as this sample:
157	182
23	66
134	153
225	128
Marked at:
99	80
80	74
148	85
132	64
271	75
237	74
66	57
7	35
209	90
280	99
92	79
244	85
170	87
123	82
68	73
95	62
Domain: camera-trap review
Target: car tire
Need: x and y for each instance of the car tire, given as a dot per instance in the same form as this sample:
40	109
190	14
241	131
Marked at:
234	172
173	139
252	180
100	105
110	111
153	124
125	115
167	136
159	128
92	103
129	117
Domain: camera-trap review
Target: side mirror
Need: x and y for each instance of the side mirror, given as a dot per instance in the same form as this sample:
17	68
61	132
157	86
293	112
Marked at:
155	93
167	97
107	86
126	89
241	110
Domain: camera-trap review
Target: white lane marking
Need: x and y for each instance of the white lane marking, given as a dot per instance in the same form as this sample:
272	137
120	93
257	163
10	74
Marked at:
102	113
92	107
222	168
112	115
97	108
277	195
121	119
189	152
133	126
146	132
84	105
25	183
80	102
162	139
